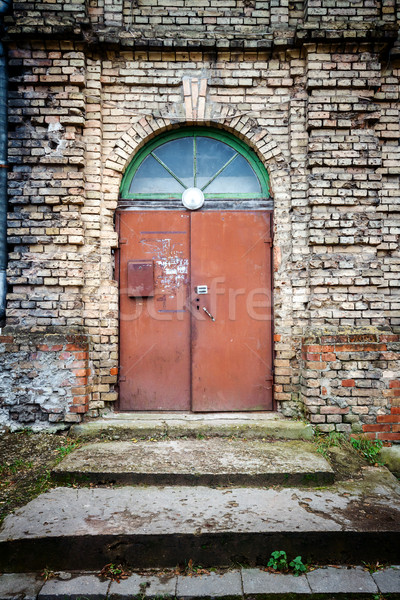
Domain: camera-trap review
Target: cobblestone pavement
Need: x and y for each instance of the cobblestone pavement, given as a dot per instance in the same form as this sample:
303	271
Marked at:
325	582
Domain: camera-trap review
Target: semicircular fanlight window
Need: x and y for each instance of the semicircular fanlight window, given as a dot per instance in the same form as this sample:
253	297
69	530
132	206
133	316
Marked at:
195	161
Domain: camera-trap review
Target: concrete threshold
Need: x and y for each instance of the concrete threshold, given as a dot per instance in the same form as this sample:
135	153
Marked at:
154	526
329	583
214	462
141	425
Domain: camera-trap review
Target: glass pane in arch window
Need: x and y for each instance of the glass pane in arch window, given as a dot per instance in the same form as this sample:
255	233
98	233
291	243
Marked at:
153	178
237	177
178	157
212	155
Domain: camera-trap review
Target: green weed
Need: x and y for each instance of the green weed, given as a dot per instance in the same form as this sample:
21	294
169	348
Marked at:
368	449
278	561
325	441
63	451
297	566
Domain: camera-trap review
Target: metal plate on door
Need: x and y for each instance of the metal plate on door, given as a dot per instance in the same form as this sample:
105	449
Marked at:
140	278
201	289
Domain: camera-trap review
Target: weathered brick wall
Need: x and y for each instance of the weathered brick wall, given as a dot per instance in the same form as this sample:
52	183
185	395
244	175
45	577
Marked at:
313	89
44	378
350	381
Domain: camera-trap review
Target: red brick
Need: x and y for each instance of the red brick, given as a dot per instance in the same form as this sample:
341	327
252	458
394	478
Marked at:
313	348
73	347
394	384
81	372
396	428
388	418
6	339
56	348
43	347
388	436
114	371
376	427
348	383
333	339
327	348
81	355
78	409
310	356
388	338
395	410
362	337
328	356
277	337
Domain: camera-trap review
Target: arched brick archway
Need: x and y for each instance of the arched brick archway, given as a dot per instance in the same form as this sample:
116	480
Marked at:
267	149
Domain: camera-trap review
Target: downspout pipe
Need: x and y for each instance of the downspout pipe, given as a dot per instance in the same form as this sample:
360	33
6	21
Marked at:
4	6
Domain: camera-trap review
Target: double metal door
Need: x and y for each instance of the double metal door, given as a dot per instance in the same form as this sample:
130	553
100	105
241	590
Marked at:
195	311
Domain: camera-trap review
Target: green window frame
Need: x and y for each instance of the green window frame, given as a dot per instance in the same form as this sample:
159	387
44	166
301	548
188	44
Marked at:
240	148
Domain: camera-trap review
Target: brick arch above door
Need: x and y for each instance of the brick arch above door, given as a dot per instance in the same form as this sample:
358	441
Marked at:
274	159
226	118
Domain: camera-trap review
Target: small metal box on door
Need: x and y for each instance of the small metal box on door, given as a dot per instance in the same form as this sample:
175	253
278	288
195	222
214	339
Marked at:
140	278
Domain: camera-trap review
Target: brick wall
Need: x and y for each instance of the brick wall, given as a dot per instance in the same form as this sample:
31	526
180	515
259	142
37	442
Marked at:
350	381
44	378
308	86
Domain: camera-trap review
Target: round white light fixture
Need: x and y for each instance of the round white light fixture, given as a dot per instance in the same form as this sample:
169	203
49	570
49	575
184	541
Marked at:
193	198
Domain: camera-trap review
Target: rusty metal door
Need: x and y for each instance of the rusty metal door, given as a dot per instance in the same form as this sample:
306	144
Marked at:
154	329
231	356
200	338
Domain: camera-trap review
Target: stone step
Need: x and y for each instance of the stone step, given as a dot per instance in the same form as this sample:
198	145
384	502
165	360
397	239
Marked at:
125	426
154	526
214	462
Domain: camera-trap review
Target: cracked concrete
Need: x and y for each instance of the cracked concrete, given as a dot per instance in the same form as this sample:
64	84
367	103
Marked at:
197	462
162	526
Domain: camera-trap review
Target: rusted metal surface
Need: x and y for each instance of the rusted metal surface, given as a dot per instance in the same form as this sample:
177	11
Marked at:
231	356
155	331
140	278
203	341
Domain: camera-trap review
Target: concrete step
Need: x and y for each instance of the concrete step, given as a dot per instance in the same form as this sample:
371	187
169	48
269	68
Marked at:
125	426
214	462
327	583
154	526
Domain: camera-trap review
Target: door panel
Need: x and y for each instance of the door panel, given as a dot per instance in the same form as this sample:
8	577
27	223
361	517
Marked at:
155	330
173	356
231	356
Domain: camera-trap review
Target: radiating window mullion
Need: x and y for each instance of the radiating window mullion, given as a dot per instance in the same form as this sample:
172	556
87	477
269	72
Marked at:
220	171
167	169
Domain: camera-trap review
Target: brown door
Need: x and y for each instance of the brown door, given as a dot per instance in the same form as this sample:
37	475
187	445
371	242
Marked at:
201	340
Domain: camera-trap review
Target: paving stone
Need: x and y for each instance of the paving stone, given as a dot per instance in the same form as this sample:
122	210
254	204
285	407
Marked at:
262	584
228	585
388	580
19	585
156	587
341	581
89	586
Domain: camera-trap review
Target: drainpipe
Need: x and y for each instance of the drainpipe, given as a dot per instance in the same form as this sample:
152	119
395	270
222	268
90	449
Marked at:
4	6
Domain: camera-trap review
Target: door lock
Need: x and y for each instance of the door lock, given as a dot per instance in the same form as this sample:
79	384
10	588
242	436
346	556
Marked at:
201	289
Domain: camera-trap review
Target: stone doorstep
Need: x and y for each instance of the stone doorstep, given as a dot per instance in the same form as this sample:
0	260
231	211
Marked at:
160	527
125	426
328	582
218	461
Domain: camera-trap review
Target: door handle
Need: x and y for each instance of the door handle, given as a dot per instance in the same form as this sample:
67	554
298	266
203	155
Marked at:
208	313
